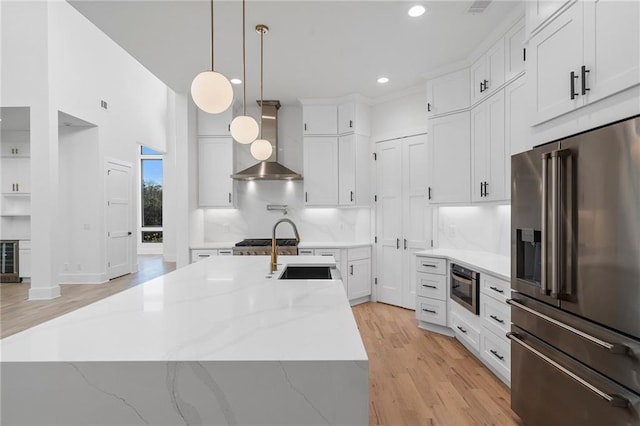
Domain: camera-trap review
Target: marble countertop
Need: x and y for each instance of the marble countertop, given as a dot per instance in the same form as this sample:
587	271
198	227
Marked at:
208	246
486	262
223	308
303	244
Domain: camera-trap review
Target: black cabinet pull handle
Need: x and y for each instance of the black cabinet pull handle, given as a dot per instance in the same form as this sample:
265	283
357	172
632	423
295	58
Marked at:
429	310
306	198
351	269
486	193
350	124
574	77
482	189
429	286
497	355
486	84
351	196
397	243
496	289
481	87
305	127
17	187
461	329
429	192
428	107
584	72
495	318
229	198
524	54
405	243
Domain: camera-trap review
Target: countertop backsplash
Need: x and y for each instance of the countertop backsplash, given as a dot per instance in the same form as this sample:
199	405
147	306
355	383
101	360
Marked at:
252	220
482	228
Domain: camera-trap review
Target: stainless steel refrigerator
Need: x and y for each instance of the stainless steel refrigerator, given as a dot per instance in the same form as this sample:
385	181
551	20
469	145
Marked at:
575	279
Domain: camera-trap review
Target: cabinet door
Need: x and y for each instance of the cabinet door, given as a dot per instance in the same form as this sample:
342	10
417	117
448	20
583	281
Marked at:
450	159
612	47
321	170
538	11
15	149
346	117
15	176
359	273
495	68
214	124
494	188
448	93
347	169
478	76
24	263
555	52
215	166
514	50
320	120
516	129
480	150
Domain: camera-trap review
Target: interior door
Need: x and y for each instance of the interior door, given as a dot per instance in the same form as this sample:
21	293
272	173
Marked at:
416	214
118	220
389	223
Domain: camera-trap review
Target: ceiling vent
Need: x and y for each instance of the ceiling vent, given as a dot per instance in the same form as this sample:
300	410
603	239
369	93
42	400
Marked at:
478	6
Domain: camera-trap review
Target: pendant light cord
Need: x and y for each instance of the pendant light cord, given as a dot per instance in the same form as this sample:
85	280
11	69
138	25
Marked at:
261	78
212	47
244	66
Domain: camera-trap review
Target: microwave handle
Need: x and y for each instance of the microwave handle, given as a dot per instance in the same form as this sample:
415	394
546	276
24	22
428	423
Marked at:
461	278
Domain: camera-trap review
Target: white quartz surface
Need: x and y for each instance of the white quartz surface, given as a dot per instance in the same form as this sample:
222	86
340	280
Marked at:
486	262
219	309
322	245
211	246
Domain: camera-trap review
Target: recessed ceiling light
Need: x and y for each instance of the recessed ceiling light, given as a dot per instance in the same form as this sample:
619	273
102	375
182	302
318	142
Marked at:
236	81
383	80
416	11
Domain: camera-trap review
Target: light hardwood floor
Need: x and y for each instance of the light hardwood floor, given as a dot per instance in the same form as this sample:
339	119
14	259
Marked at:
416	377
423	378
18	313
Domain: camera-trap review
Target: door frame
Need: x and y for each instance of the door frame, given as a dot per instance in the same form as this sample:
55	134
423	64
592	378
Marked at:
133	265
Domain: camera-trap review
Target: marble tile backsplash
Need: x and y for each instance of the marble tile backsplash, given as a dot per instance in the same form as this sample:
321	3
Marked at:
252	220
486	228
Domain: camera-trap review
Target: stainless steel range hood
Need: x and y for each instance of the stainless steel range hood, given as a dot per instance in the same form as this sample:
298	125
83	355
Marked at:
269	169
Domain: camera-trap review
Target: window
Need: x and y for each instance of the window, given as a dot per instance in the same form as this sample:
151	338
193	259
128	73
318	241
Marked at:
151	195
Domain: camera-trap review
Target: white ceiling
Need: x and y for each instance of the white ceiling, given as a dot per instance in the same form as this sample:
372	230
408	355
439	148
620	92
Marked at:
314	49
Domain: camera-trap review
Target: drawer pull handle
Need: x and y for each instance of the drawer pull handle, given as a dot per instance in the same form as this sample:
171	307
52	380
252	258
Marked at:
497	355
429	286
496	289
429	311
495	318
461	329
429	265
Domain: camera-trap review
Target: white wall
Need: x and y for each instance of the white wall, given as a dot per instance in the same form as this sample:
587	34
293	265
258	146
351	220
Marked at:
485	228
403	115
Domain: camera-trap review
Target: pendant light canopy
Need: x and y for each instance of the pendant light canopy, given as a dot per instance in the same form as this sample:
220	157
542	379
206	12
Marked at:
210	90
244	128
261	149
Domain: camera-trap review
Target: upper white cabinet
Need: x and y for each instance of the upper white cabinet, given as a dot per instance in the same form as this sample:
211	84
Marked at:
514	51
515	101
591	50
539	11
354	117
319	119
353	169
487	73
321	170
488	147
450	159
448	93
215	166
15	175
15	149
214	124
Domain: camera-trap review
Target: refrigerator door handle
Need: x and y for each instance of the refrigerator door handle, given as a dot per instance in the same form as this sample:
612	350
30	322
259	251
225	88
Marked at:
555	223
613	400
545	208
614	348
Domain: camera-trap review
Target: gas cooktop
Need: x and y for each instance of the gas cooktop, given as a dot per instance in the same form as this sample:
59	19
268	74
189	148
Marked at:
262	242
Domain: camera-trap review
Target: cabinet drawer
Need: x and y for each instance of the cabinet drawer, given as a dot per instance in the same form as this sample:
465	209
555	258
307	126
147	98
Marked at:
431	265
225	252
305	252
198	255
495	287
335	252
359	253
497	353
464	331
496	316
431	285
431	310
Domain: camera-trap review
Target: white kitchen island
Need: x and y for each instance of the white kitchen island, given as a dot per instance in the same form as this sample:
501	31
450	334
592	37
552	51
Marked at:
216	342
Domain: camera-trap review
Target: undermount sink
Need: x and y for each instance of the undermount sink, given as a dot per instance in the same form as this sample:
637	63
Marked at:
306	273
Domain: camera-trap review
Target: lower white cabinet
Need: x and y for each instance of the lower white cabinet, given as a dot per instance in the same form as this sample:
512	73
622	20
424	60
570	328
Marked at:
431	290
495	316
24	258
496	352
202	254
466	326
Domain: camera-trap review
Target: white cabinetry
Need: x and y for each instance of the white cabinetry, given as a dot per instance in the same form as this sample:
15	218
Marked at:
353	169
24	258
321	170
431	290
448	93
202	254
514	51
214	124
487	73
15	149
319	119
402	215
588	52
354	117
15	175
358	272
450	159
539	11
488	146
515	102
215	166
495	314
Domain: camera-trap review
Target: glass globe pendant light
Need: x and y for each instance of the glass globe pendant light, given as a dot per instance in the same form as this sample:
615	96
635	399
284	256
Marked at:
210	90
244	128
261	149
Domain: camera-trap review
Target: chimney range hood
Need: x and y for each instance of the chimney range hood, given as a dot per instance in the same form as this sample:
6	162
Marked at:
270	169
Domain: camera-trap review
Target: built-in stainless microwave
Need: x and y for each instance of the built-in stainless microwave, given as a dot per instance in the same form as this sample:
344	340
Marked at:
9	262
465	288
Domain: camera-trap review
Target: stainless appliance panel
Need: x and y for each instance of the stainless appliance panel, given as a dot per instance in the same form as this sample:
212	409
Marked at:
554	389
9	261
602	200
606	351
465	288
531	178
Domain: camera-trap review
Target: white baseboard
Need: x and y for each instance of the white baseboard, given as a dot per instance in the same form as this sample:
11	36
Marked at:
83	278
45	293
